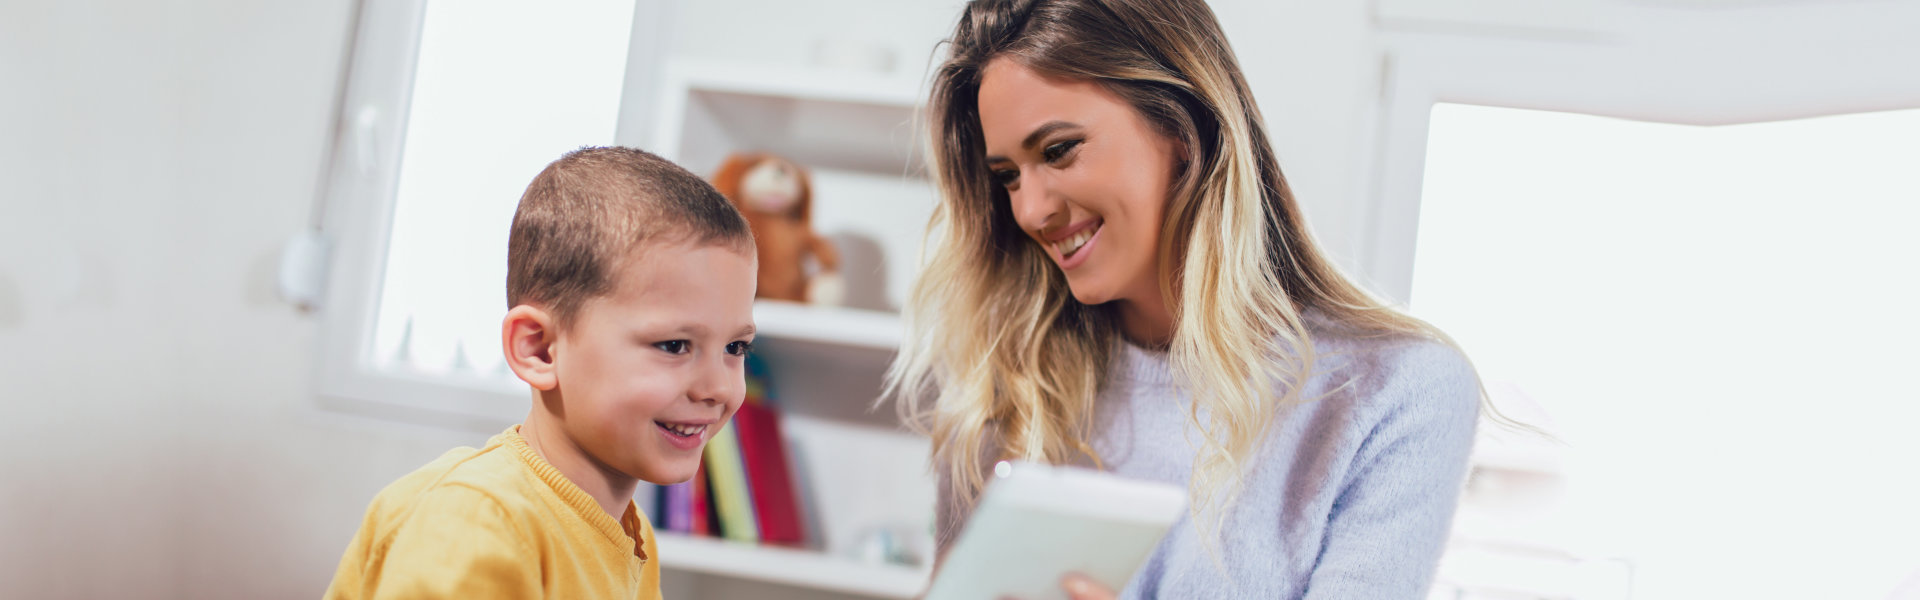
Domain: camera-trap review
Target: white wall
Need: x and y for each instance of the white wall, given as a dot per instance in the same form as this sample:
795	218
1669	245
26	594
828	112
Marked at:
156	154
161	440
1312	64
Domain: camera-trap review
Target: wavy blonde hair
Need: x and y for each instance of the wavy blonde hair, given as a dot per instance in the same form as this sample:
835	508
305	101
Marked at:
1001	362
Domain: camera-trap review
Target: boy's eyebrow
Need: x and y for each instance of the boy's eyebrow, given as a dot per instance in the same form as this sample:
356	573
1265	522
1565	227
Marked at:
696	330
1034	138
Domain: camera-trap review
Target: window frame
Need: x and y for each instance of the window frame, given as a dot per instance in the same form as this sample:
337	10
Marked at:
360	183
1643	62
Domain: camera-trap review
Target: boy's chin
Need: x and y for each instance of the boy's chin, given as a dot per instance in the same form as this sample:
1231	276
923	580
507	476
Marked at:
670	474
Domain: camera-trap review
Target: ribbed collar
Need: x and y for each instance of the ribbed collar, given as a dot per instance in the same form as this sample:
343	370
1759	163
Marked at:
622	533
1147	366
1140	365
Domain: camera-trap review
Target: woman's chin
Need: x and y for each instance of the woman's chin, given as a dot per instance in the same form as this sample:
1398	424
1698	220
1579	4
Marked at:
1090	294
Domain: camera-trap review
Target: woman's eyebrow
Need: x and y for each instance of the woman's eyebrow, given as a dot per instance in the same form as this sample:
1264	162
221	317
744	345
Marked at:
1039	133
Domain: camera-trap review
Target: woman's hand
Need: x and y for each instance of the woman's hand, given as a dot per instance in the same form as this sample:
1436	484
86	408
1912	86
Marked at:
1081	587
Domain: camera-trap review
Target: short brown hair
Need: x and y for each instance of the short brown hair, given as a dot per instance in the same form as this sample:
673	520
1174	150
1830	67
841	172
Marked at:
587	212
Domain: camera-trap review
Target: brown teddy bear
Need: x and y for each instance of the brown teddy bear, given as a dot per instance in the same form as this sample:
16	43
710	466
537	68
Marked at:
777	198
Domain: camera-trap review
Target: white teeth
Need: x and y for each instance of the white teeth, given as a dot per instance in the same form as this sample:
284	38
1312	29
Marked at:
685	430
1070	245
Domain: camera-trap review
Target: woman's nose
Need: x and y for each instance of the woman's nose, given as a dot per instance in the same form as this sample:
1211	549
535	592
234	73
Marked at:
1033	207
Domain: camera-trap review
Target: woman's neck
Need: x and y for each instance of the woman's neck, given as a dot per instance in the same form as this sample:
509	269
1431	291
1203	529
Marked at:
1147	322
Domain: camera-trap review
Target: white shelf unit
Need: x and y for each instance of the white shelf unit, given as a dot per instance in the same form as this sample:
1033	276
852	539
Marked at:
873	329
713	556
858	472
854	479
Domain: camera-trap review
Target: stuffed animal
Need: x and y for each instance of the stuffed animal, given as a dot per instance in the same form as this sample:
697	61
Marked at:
777	198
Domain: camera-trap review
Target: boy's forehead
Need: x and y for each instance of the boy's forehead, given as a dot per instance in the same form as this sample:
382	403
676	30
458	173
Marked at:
663	279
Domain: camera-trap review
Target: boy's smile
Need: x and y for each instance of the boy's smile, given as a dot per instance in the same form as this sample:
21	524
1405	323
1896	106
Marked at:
684	435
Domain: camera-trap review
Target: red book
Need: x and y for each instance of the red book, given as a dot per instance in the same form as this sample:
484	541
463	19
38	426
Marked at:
697	504
776	510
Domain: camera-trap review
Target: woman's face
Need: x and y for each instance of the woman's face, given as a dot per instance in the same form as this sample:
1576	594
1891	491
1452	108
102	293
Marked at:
1087	175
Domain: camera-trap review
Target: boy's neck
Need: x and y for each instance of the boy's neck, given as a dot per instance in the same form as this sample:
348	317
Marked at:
612	489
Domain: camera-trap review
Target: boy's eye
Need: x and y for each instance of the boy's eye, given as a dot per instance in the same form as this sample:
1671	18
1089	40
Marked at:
740	348
1054	152
673	346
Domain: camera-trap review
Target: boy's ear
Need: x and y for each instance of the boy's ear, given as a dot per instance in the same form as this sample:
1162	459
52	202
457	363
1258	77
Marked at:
528	335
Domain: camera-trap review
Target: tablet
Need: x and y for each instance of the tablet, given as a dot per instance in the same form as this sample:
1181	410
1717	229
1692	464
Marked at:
1036	523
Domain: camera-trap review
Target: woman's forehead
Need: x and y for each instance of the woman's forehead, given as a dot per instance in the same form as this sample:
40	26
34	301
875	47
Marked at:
1016	100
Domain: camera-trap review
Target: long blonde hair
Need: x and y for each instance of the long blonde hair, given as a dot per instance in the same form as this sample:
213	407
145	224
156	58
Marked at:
1001	362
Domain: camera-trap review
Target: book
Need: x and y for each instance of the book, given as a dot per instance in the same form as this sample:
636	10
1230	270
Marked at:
729	486
713	508
697	504
769	476
678	503
661	514
646	498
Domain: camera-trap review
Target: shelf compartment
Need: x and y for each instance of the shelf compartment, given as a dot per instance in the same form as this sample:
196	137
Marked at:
787	566
822	120
828	325
851	480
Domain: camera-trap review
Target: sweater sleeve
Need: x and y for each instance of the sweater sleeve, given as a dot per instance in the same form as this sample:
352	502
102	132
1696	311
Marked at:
458	544
1389	522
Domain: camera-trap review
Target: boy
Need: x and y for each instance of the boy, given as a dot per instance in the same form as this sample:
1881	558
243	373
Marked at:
630	284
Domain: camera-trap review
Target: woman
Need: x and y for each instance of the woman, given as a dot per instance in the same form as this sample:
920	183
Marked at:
1123	280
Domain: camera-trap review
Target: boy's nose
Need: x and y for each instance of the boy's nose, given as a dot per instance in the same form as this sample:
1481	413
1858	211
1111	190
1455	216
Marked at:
718	382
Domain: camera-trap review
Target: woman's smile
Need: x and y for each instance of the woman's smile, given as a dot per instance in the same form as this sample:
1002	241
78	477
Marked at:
1072	245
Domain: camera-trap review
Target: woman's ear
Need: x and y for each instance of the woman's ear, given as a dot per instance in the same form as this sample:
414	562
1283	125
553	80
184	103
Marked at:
528	335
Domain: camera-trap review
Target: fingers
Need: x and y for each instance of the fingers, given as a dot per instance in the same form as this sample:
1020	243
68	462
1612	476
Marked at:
1081	587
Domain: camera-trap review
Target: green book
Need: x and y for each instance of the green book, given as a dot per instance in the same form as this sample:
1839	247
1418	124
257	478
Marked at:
729	492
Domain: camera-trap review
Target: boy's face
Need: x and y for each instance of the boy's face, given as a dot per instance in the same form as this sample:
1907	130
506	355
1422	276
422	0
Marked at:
649	372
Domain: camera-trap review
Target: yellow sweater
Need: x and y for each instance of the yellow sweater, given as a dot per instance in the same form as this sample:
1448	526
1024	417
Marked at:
497	522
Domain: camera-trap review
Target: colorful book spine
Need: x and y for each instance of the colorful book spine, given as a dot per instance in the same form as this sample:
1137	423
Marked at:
698	506
679	502
769	479
713	510
729	486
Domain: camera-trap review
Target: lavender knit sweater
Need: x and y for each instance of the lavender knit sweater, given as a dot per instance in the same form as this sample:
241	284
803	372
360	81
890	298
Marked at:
1350	495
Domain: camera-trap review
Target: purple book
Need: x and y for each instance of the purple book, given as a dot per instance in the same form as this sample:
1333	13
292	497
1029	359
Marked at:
679	507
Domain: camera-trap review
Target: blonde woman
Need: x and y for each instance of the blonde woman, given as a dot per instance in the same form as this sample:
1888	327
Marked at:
1121	279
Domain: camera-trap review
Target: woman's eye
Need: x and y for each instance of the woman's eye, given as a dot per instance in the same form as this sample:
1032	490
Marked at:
740	348
673	347
1054	152
1005	177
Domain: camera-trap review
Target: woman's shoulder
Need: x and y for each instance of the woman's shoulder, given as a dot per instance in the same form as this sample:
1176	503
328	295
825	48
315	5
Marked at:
1393	371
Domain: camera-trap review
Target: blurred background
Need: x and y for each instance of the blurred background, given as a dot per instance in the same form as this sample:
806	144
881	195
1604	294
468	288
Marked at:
251	258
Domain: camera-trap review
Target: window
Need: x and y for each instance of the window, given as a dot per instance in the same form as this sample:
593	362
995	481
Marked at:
450	109
1713	318
501	89
1679	242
